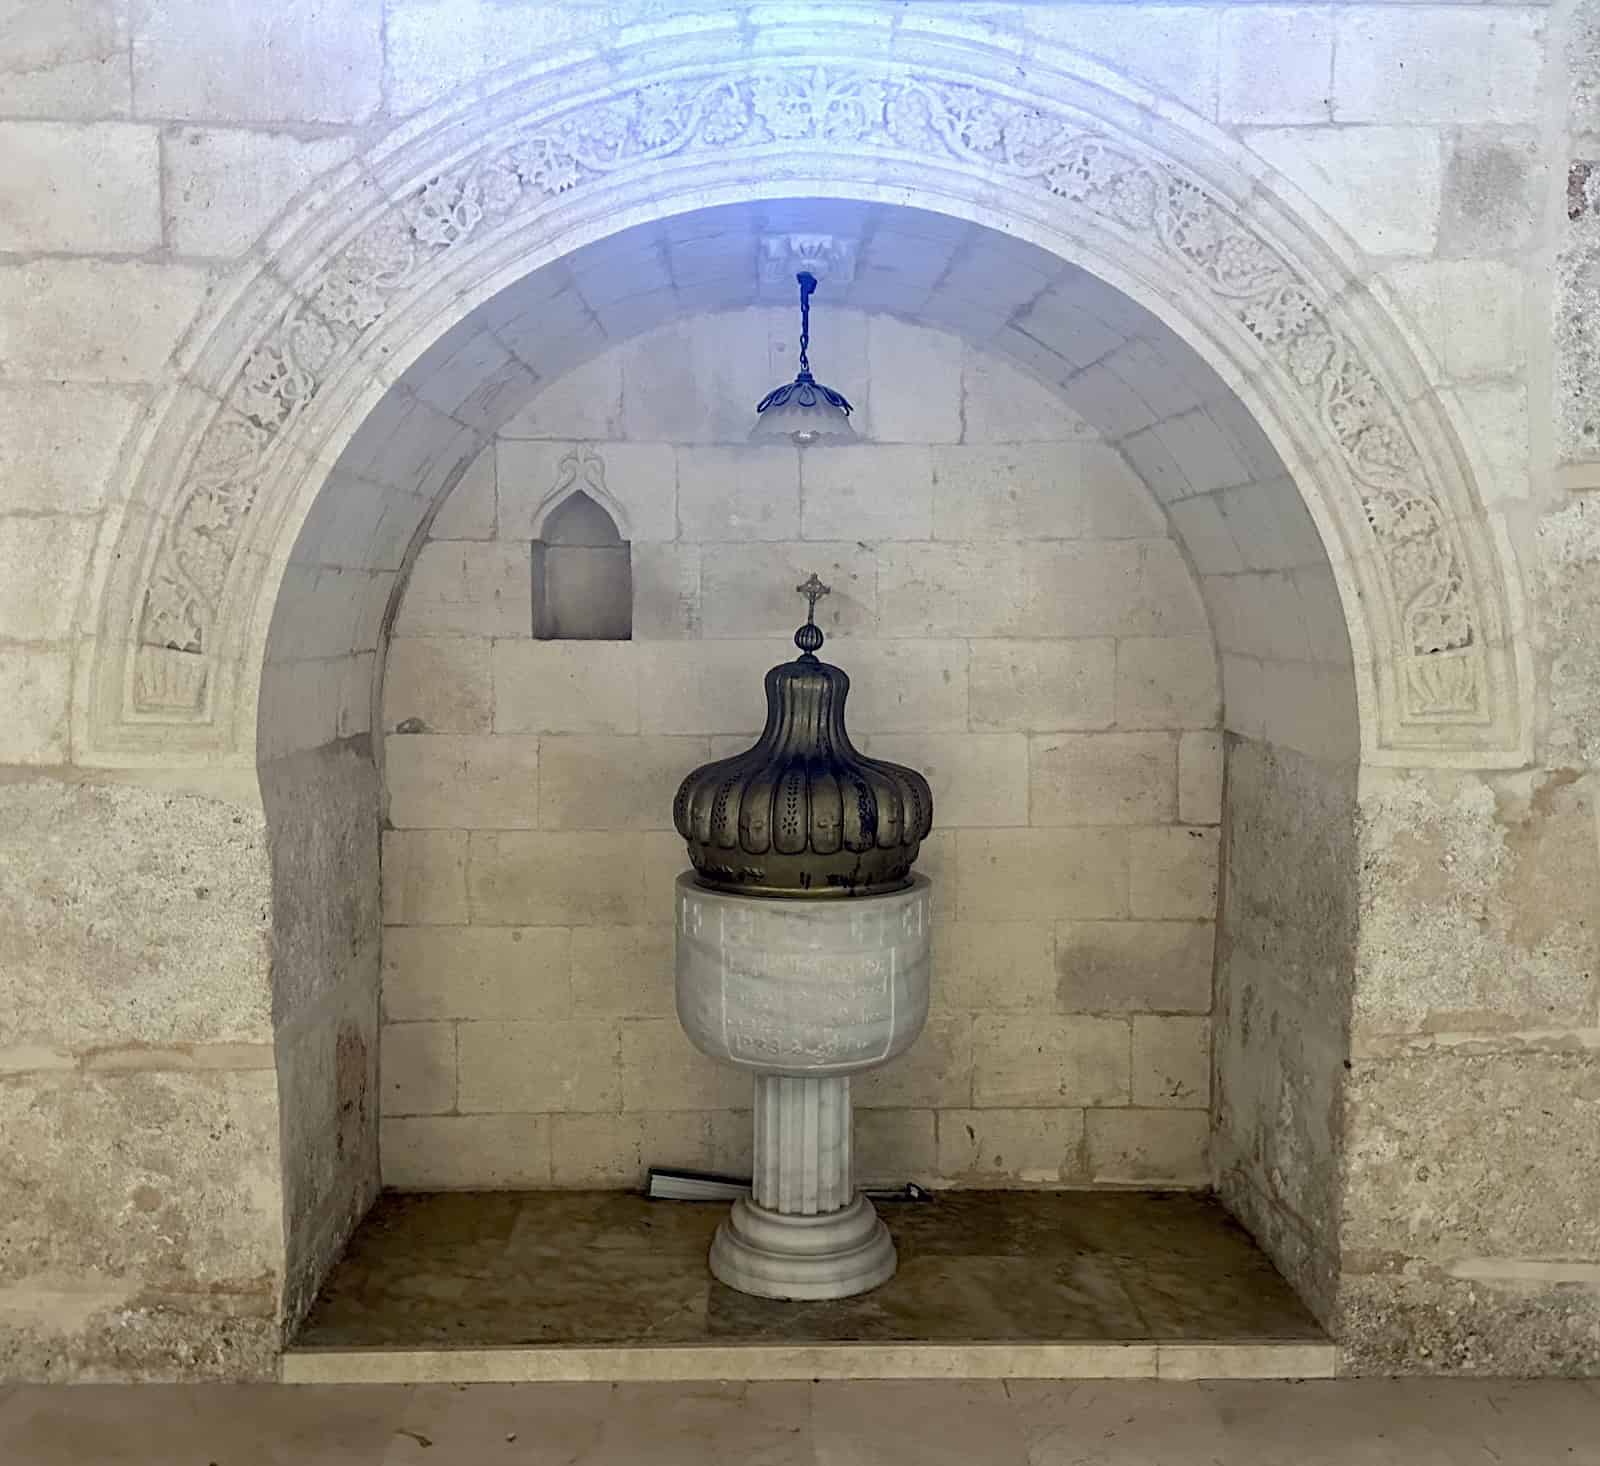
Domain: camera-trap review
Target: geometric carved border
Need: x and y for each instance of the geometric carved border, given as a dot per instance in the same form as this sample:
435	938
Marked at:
1436	648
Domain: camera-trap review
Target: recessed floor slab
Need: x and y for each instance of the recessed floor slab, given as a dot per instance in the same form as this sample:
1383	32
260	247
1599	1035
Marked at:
467	1286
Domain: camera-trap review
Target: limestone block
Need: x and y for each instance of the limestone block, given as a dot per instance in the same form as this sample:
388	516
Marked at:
612	1151
461	588
1470	312
1200	778
865	491
1116	504
309	704
1166	372
916	382
662	1070
1012	1147
226	61
1497	413
81	188
1167	1146
221	187
131	915
60	445
476	972
641	478
1383	184
1009	491
326	899
567	686
42	563
748	492
1024	1061
1001	403
518	877
706	687
1171	48
1017	875
1569	555
978	779
538	1068
1277	65
1109	399
625	970
1269	524
328	610
68	61
1493	1155
132	1195
53	315
1512	1325
666	591
904	686
1493	193
1172	1062
1134	966
698	380
419	1068
935	1071
748	590
431	47
1174	873
468	512
462	781
598	783
1038	686
469	375
424	877
1583	67
1476	906
1102	778
891	1147
329	1103
988	966
1167	682
732	1141
1398	64
583	402
442	685
1153	461
1260	615
1117	588
1206	452
466	1152
950	589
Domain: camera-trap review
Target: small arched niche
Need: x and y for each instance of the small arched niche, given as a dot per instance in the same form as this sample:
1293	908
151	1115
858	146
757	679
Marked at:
582	575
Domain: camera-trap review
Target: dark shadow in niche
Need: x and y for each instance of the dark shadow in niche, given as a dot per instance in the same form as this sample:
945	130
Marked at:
582	576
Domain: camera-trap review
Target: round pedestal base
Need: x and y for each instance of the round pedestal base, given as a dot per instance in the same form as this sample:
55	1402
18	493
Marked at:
834	1255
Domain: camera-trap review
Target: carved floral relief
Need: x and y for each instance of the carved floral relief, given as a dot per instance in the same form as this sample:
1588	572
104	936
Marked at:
1028	143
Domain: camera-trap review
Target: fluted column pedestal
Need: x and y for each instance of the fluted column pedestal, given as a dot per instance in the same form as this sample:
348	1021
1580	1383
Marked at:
803	1232
801	994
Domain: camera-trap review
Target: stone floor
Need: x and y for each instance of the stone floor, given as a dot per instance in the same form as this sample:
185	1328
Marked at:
848	1423
496	1269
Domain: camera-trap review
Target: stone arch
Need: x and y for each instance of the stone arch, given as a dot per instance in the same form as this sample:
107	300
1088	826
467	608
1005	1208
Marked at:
387	255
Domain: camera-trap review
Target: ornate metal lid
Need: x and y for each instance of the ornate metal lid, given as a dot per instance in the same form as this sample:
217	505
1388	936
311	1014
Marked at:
802	813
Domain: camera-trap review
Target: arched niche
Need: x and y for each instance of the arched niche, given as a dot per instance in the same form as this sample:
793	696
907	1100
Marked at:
475	195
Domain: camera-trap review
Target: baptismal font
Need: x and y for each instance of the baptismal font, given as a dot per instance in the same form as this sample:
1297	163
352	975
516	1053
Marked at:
802	954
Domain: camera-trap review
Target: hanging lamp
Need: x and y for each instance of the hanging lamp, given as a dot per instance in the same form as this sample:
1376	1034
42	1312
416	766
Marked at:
803	410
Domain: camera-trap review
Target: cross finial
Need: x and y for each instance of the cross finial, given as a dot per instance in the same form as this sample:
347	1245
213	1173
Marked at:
813	590
809	637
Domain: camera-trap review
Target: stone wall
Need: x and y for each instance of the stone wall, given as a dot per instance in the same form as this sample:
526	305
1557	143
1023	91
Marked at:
1443	157
1017	623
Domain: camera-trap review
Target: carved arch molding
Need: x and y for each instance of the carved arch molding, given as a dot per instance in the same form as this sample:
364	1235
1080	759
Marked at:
353	278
